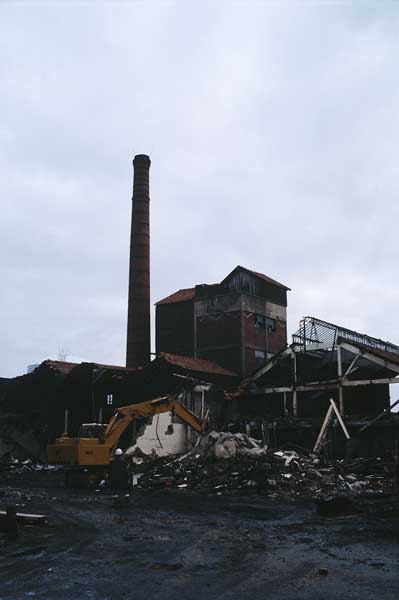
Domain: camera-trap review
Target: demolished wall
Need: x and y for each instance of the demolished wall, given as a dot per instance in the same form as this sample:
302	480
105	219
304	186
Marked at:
162	437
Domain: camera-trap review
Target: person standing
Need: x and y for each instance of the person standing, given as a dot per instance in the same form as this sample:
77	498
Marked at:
118	472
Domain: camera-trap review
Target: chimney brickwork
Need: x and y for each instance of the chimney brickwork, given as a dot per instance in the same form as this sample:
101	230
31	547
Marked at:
138	321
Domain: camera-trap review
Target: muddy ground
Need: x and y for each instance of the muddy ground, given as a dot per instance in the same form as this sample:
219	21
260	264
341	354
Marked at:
176	544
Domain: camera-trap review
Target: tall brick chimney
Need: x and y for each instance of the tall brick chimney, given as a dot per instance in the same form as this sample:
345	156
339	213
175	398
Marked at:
138	319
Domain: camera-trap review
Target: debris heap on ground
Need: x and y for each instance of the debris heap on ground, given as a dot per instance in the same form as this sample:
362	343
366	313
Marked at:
22	436
20	466
227	462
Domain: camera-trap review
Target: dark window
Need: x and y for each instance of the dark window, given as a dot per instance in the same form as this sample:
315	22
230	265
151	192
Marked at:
260	321
264	322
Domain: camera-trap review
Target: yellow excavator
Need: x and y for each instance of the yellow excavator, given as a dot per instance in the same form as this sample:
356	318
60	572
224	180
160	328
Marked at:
88	455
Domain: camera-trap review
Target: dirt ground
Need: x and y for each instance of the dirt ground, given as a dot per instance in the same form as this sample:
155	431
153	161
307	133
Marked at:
176	544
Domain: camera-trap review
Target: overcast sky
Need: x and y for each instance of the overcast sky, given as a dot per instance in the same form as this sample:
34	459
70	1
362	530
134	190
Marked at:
273	131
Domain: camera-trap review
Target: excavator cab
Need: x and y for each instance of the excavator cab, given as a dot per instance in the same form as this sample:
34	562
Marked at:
93	430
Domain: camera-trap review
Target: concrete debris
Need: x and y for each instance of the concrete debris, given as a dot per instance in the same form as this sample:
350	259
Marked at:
137	456
228	445
15	465
225	462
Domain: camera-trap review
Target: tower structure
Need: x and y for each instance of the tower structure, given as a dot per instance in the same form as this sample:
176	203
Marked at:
138	320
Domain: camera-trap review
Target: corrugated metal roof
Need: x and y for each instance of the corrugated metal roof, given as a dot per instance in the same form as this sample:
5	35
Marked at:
183	295
198	365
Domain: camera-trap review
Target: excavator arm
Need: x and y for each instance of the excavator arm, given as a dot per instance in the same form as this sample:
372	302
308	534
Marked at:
96	452
127	414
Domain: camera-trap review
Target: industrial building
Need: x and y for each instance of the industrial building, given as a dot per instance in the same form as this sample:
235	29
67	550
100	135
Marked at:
238	323
220	347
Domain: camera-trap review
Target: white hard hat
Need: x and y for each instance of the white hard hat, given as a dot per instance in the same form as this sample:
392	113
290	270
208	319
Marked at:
118	452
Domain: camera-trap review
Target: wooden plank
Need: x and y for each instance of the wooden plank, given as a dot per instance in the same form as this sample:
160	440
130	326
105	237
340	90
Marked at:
385	380
300	388
341	399
339	356
323	430
340	420
32	518
349	369
271	362
314	386
277	390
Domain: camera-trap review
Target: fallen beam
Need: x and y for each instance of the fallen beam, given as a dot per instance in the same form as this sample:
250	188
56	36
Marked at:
340	419
324	428
26	517
326	423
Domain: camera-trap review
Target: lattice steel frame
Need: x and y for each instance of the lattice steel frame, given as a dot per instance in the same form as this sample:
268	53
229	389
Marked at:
313	331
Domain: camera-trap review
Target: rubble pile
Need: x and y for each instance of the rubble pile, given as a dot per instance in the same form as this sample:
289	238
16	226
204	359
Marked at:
21	436
226	462
14	465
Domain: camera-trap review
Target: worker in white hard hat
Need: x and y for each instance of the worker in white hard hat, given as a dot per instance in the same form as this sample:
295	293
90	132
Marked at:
118	472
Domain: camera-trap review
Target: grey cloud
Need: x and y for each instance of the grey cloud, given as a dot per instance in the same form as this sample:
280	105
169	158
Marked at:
272	130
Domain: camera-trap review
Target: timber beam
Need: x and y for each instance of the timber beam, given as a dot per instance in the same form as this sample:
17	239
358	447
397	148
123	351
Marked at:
328	385
382	362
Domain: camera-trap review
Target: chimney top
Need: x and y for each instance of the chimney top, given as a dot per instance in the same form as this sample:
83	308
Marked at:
142	158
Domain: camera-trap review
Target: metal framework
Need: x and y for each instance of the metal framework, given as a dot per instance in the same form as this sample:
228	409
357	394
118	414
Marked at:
315	333
323	339
341	381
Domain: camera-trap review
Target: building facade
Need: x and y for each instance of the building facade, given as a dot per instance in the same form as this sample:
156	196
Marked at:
237	323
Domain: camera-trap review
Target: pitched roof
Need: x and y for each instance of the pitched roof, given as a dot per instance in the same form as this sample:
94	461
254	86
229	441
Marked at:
260	275
182	295
198	365
187	294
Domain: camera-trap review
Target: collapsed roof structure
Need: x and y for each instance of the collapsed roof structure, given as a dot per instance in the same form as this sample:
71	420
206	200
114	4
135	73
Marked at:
327	358
325	361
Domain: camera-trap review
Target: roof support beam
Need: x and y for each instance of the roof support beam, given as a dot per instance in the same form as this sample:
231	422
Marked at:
385	380
371	357
272	362
350	368
340	388
300	388
328	385
295	393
